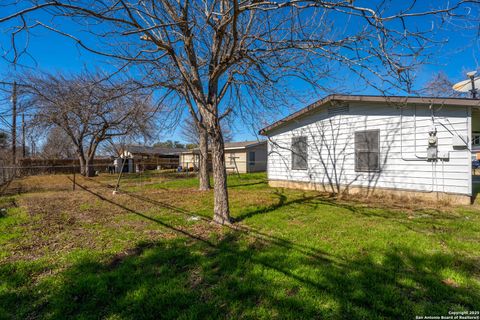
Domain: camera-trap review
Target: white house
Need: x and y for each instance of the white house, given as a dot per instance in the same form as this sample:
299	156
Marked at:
414	146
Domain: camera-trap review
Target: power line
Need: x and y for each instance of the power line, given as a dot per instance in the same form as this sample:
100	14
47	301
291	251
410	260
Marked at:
5	122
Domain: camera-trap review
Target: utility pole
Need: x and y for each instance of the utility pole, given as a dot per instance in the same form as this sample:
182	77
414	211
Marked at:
24	151
14	123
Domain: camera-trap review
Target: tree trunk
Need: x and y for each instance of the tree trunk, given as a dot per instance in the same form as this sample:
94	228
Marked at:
221	210
204	179
83	168
90	170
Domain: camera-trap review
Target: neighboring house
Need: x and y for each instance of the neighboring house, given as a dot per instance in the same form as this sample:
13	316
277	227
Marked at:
139	158
242	157
415	146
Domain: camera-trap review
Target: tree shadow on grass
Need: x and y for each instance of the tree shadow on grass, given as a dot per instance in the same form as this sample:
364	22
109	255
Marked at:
313	200
244	274
422	220
282	201
422	225
240	185
426	225
260	237
190	279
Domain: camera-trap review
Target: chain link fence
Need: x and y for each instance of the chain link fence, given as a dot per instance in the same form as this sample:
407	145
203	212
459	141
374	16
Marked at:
7	173
57	175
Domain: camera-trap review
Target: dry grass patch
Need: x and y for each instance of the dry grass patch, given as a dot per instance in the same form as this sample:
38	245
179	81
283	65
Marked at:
63	221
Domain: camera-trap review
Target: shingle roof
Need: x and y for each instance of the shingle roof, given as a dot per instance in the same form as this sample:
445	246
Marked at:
370	98
136	149
242	144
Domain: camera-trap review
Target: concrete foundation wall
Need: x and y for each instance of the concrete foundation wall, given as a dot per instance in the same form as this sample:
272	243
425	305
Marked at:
413	195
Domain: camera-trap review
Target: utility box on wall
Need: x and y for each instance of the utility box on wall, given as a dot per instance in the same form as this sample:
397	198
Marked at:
459	142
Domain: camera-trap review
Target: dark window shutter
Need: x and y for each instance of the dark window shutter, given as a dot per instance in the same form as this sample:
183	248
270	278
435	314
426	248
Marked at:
299	153
367	150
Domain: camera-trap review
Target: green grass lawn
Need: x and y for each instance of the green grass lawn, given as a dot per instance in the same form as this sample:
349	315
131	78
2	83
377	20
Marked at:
151	252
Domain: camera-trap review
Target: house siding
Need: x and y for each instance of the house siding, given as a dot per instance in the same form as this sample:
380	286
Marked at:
331	154
260	163
188	160
240	160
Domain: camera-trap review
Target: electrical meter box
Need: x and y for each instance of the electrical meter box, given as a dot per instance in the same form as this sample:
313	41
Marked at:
432	149
459	141
432	153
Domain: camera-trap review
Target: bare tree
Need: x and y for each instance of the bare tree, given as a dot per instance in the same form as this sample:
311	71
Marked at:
115	147
197	120
191	134
58	145
169	144
221	57
3	140
440	85
87	110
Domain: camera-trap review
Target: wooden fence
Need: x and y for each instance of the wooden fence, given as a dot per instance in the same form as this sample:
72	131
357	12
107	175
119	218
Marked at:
32	166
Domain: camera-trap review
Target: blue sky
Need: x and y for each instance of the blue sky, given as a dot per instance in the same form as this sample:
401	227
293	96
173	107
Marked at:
458	53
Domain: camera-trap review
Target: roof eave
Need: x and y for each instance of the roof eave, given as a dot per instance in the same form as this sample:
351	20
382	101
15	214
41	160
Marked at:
375	99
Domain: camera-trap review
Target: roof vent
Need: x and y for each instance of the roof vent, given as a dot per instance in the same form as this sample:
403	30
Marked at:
334	110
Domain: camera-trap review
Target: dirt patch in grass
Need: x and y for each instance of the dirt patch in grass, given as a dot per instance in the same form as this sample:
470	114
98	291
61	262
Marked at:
41	183
60	222
91	217
56	224
396	202
451	283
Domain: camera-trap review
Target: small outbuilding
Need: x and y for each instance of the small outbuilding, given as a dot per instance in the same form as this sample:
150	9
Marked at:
411	146
241	157
139	158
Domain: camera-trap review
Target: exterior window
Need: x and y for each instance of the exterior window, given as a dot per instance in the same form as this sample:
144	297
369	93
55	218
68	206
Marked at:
476	139
251	158
232	159
367	151
299	153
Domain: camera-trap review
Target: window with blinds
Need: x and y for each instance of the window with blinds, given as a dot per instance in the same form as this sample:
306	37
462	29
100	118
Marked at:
367	151
299	153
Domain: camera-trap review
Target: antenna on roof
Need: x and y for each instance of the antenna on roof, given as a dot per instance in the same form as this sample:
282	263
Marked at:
469	85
